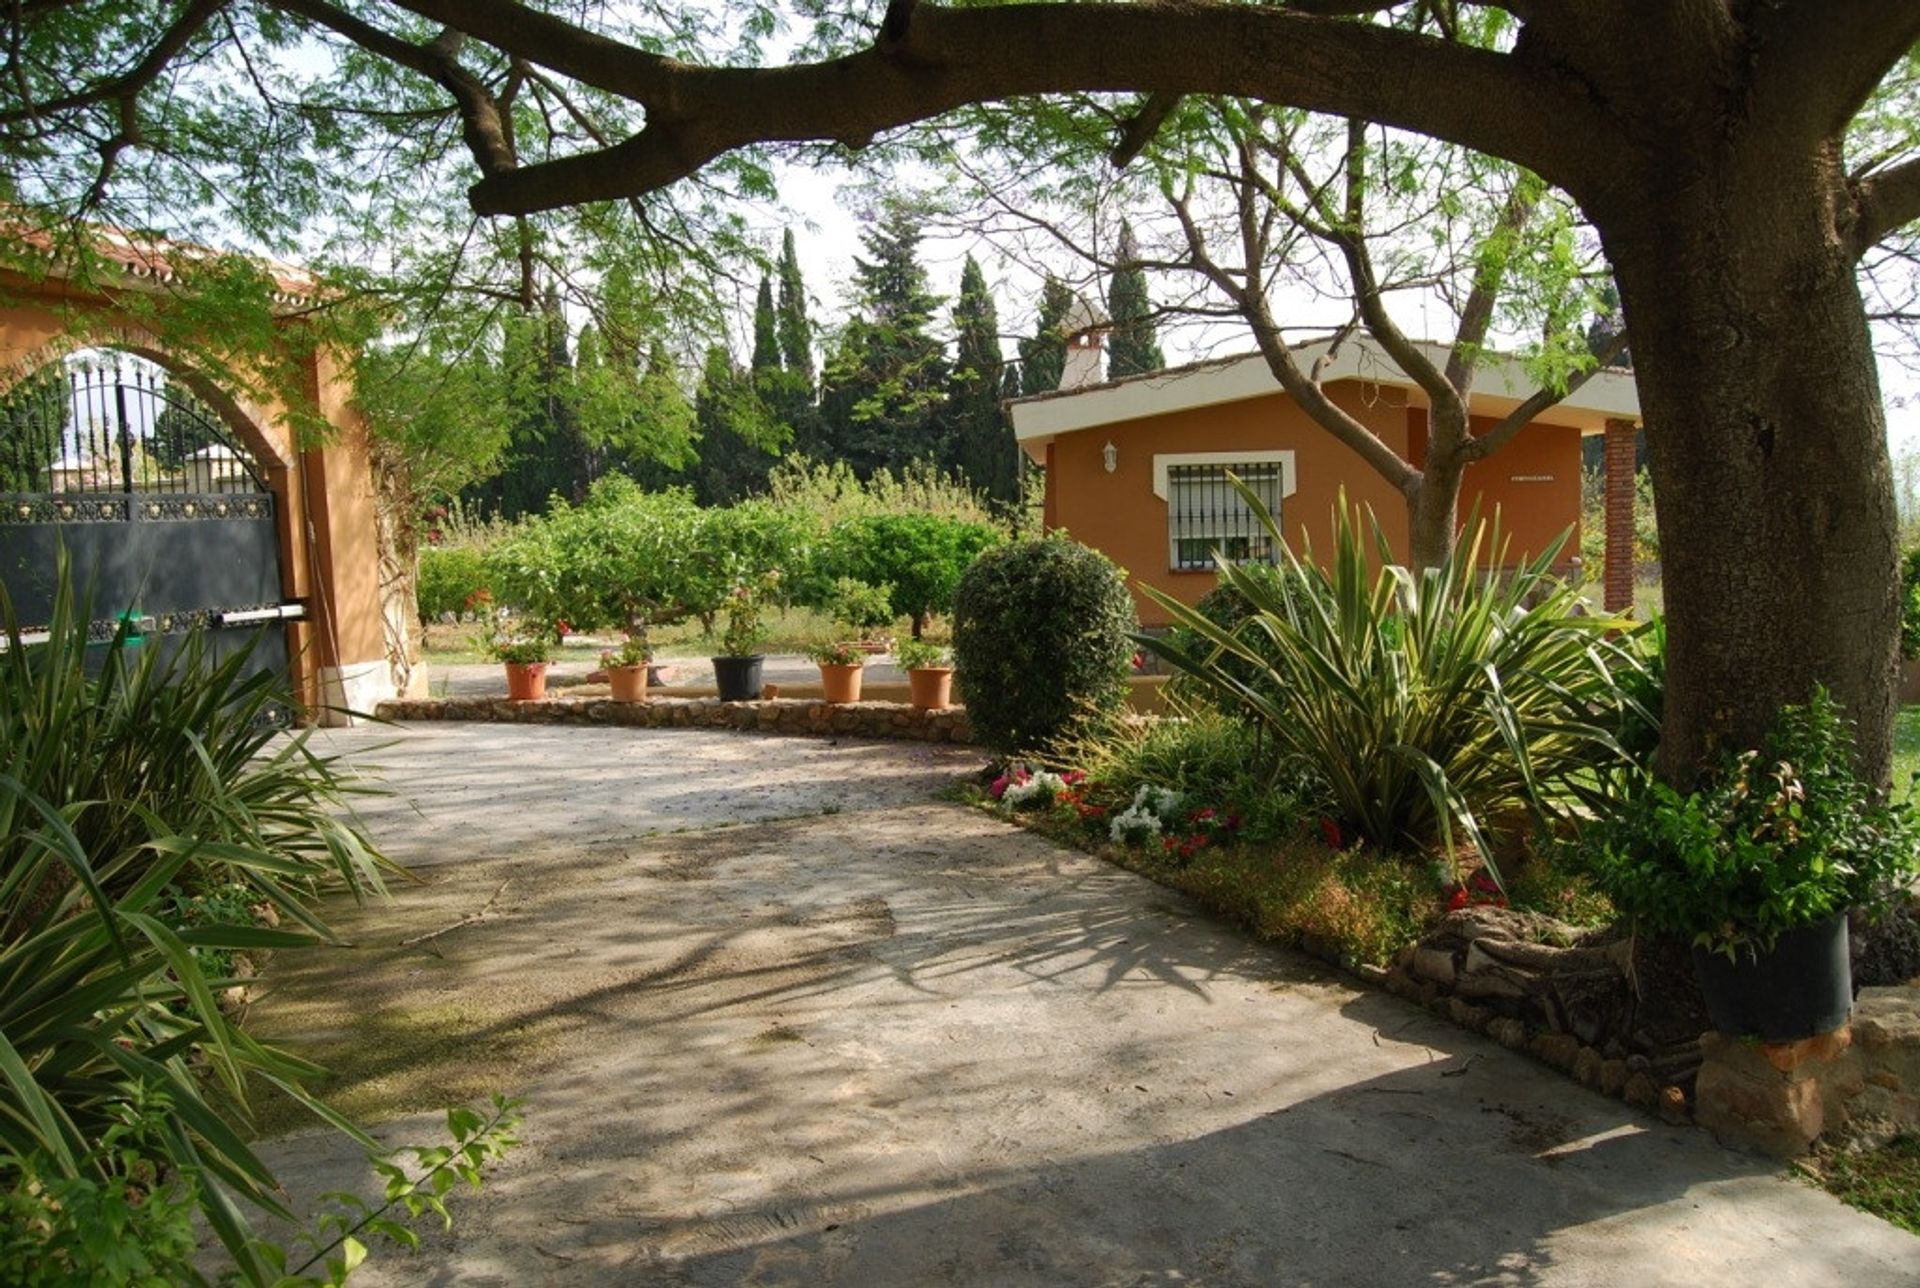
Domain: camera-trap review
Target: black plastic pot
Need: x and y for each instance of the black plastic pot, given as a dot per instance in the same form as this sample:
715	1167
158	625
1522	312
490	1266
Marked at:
738	678
1800	989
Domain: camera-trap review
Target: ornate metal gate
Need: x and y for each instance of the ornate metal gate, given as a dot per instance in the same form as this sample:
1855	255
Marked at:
161	509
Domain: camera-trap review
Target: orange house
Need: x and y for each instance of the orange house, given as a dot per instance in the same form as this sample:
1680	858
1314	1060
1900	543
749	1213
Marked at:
1136	467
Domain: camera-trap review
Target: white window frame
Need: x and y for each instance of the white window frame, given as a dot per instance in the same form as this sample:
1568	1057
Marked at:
1163	463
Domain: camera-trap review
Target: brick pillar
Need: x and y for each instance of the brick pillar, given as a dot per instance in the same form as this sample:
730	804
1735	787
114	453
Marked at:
1618	584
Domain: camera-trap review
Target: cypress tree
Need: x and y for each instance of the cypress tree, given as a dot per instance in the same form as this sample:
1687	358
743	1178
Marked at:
983	439
739	441
1043	356
1132	347
794	331
766	340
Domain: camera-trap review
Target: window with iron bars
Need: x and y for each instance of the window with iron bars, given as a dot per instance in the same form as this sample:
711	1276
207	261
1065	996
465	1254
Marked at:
1206	514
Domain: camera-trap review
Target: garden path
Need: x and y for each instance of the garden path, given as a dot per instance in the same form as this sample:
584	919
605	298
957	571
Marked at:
837	1031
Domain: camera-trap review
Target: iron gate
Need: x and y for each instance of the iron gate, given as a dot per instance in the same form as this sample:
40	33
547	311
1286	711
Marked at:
161	509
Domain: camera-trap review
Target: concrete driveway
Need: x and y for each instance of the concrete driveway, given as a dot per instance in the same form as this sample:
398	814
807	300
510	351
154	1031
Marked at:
835	1031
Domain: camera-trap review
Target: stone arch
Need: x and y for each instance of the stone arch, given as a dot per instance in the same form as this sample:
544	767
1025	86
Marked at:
246	419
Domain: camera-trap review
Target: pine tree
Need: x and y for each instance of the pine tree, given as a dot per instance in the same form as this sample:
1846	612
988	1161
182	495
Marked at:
1043	356
983	438
766	340
794	331
1132	347
882	393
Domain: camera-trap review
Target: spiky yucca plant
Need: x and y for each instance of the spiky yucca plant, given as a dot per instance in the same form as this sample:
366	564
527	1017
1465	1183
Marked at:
1424	702
126	777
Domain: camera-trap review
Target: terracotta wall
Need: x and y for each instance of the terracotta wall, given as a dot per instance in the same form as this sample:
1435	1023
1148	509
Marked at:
1534	481
1119	514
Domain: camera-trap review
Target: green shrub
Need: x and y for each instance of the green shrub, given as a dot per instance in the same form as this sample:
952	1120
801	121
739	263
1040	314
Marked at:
1041	640
922	556
453	580
858	606
1775	838
623	559
1421	702
1910	604
1207	757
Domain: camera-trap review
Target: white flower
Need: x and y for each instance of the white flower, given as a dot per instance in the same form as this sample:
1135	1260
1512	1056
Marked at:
1163	803
1040	789
1134	825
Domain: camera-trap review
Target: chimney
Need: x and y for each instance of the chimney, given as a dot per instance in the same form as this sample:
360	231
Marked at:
1085	325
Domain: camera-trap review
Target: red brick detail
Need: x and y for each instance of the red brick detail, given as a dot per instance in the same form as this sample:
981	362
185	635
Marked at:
1621	442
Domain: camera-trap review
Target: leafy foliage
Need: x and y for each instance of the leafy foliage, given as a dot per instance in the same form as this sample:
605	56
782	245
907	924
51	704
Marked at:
921	556
1040	641
452	579
1910	604
1421	702
885	387
1774	838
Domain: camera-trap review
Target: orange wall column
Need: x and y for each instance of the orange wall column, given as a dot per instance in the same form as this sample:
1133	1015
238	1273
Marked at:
1621	442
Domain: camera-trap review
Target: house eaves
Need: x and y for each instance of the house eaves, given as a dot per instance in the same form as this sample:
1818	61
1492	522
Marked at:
1500	384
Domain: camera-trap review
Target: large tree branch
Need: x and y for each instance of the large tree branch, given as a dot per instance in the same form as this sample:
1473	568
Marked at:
948	58
1884	201
1250	302
1489	279
1481	446
484	126
1817	61
1367	295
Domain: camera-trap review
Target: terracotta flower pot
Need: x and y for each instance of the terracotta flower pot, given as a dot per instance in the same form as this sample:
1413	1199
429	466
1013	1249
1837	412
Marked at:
930	687
526	681
840	683
629	682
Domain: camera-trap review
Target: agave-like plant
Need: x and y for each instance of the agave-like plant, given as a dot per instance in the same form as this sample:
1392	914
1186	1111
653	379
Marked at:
1423	702
124	779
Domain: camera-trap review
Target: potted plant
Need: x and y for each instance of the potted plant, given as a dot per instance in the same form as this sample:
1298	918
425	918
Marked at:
841	666
736	671
1757	867
525	657
626	669
929	669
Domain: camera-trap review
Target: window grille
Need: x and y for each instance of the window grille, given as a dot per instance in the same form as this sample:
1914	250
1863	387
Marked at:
1206	514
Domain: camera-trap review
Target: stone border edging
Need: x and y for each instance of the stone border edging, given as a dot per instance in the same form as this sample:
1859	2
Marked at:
792	717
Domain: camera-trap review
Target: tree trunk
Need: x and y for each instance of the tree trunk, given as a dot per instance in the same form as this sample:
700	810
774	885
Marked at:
1767	443
1433	512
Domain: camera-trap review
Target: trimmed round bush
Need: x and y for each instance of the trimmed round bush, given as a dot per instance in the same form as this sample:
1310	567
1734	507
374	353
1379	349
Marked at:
1041	638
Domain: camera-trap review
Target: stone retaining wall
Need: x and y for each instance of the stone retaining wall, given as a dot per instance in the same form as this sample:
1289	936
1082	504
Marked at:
800	717
1562	994
1778	1098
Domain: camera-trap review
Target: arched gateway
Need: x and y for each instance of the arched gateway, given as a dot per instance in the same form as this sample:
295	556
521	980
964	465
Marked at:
184	504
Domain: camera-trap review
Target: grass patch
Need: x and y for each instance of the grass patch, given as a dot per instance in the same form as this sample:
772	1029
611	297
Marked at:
1906	748
1884	1181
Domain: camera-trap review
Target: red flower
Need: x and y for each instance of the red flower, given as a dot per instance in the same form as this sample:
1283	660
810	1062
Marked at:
562	629
1074	777
1331	831
999	787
